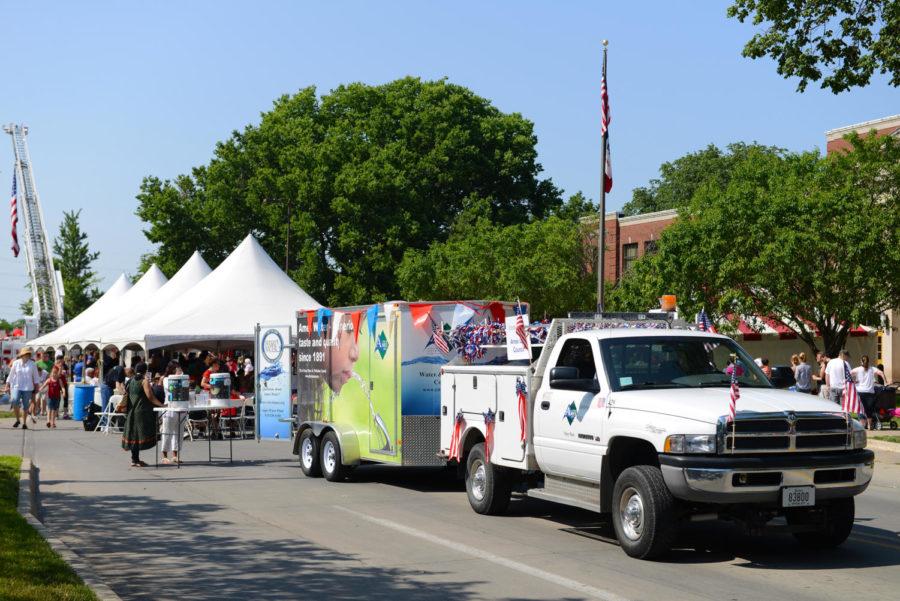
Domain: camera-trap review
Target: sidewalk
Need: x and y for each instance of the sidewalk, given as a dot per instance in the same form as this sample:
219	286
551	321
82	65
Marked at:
200	532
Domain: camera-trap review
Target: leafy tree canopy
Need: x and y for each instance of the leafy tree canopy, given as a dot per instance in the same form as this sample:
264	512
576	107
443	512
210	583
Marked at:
349	182
840	42
73	258
679	179
545	262
811	241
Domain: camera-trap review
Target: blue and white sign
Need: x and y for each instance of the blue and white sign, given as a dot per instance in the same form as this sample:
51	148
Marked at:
273	382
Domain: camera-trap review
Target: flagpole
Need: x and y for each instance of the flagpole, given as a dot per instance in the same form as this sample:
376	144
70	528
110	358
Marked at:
601	241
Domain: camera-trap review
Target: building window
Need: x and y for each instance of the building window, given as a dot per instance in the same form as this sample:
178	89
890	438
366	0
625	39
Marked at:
649	247
629	255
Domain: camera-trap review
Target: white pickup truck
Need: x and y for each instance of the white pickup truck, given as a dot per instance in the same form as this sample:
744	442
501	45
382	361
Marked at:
632	421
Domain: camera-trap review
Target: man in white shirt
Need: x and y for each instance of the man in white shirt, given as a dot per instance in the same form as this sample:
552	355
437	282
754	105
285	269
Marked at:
864	376
23	379
834	376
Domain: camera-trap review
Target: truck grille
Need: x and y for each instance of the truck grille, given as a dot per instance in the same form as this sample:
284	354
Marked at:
786	432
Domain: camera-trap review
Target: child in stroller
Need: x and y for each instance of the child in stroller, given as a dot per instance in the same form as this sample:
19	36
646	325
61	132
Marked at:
887	414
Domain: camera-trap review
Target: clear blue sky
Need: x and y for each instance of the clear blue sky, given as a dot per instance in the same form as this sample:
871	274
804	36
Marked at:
115	91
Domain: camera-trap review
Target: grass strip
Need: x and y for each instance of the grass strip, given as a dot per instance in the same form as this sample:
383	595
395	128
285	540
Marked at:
895	439
6	414
31	570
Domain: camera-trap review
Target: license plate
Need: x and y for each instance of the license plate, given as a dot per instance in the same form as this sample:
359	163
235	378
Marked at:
798	496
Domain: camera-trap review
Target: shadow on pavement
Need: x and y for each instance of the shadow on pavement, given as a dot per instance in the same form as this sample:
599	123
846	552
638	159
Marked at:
151	549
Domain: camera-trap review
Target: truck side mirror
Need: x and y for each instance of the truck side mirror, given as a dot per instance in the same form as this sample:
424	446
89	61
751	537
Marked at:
569	378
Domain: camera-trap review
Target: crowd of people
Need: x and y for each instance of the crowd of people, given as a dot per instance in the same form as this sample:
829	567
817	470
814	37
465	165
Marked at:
36	385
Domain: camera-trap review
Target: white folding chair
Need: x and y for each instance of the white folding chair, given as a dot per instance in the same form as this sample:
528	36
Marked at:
106	417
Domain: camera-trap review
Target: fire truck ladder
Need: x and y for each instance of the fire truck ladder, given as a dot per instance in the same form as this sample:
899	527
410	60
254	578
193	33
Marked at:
46	284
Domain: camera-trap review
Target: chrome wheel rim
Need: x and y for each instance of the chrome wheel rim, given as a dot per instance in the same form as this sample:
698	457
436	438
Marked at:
479	480
330	457
307	453
631	513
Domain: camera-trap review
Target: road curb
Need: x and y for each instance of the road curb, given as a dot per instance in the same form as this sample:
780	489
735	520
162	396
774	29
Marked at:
879	445
29	507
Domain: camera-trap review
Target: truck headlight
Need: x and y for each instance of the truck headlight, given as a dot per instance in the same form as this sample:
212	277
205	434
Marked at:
690	443
858	434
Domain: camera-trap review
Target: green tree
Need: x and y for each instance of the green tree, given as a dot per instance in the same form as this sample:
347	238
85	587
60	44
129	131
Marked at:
73	258
846	41
679	179
544	262
340	187
813	242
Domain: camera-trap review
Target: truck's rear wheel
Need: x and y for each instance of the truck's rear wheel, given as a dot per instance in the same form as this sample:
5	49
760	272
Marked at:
643	512
487	485
332	468
832	530
309	454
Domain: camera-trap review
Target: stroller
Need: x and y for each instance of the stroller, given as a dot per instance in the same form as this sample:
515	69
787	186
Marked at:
887	415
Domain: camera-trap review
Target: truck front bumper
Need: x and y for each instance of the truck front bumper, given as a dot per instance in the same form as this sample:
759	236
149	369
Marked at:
726	479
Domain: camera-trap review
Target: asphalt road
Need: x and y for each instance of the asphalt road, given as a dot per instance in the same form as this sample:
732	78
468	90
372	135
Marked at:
257	529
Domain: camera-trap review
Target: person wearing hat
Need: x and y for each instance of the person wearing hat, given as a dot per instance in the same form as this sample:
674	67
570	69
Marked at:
23	380
140	420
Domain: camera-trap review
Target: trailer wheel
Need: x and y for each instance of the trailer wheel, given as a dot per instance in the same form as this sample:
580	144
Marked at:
643	512
309	454
487	485
332	468
832	530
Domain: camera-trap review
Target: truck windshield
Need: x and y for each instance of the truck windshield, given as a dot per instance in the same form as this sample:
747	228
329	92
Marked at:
677	362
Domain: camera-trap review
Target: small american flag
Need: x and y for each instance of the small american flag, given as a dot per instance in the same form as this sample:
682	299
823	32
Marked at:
520	326
735	392
850	398
14	217
605	118
703	322
438	336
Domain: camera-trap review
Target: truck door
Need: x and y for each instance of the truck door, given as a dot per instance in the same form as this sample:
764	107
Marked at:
568	424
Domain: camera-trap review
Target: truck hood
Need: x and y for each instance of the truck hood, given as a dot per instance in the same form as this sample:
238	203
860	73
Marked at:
708	404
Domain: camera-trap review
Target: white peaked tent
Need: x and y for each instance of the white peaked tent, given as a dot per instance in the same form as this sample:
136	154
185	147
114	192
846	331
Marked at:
59	336
224	308
133	299
126	329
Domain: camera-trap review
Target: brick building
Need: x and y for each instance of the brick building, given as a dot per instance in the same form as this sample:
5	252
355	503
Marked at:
628	238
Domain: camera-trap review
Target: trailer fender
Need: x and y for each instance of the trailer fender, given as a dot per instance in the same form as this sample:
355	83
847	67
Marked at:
346	438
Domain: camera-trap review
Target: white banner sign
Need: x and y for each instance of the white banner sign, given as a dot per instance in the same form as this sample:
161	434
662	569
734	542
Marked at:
514	347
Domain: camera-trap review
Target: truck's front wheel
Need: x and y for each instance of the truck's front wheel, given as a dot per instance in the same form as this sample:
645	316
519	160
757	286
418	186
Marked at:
487	485
828	531
643	512
309	454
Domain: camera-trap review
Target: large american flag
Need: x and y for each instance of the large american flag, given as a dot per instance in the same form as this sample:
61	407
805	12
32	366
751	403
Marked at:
605	118
850	398
520	326
735	392
14	217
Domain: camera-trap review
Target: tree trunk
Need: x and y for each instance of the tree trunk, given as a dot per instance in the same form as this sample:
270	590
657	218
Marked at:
834	340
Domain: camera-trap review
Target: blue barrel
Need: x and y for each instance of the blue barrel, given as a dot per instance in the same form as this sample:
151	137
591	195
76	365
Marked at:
84	396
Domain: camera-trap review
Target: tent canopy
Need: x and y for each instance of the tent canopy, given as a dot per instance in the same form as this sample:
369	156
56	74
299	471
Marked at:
143	290
126	329
59	336
247	288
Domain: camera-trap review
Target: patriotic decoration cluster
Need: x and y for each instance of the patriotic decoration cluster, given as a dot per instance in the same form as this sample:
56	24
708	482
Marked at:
605	118
522	394
489	421
850	399
585	326
469	340
14	217
455	448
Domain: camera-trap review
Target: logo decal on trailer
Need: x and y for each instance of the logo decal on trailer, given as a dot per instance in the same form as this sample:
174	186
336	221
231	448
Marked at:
571	412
